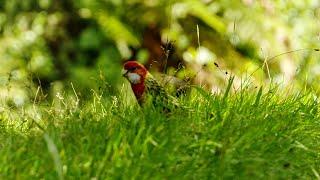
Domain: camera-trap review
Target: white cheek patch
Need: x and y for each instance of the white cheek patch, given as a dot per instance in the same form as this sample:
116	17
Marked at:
134	78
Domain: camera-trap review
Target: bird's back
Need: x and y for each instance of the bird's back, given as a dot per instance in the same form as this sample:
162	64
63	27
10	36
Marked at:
158	92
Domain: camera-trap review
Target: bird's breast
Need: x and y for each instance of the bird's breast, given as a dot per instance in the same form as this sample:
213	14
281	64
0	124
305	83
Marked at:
138	90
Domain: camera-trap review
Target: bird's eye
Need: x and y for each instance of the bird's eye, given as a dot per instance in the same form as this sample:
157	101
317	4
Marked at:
133	68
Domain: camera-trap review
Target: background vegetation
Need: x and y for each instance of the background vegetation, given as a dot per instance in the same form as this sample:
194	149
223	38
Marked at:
53	42
65	110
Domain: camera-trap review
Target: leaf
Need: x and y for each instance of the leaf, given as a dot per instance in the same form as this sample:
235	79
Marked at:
115	29
198	10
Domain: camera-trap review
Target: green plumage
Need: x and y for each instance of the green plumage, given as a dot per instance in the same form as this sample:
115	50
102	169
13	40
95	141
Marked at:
158	94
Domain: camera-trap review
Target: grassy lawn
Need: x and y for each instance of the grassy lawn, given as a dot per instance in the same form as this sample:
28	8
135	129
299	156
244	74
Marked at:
247	134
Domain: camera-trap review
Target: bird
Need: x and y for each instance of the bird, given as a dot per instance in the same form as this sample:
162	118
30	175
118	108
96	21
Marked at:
145	86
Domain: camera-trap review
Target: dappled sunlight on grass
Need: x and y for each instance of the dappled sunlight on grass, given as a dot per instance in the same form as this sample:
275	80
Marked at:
244	75
260	133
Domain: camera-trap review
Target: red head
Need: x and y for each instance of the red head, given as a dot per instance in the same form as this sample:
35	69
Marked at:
136	74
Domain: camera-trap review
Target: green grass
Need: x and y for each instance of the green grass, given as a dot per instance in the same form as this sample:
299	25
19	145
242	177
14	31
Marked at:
247	134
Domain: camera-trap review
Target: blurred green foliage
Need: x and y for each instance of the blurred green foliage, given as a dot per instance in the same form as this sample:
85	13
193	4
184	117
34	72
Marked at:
50	43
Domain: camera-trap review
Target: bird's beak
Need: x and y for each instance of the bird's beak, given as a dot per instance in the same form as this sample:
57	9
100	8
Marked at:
124	72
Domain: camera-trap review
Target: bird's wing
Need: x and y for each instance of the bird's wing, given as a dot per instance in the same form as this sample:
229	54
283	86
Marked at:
154	87
173	84
158	92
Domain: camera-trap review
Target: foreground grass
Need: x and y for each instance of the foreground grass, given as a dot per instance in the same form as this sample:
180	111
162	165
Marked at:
248	134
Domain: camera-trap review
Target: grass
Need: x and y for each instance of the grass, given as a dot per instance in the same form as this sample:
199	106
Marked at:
247	134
